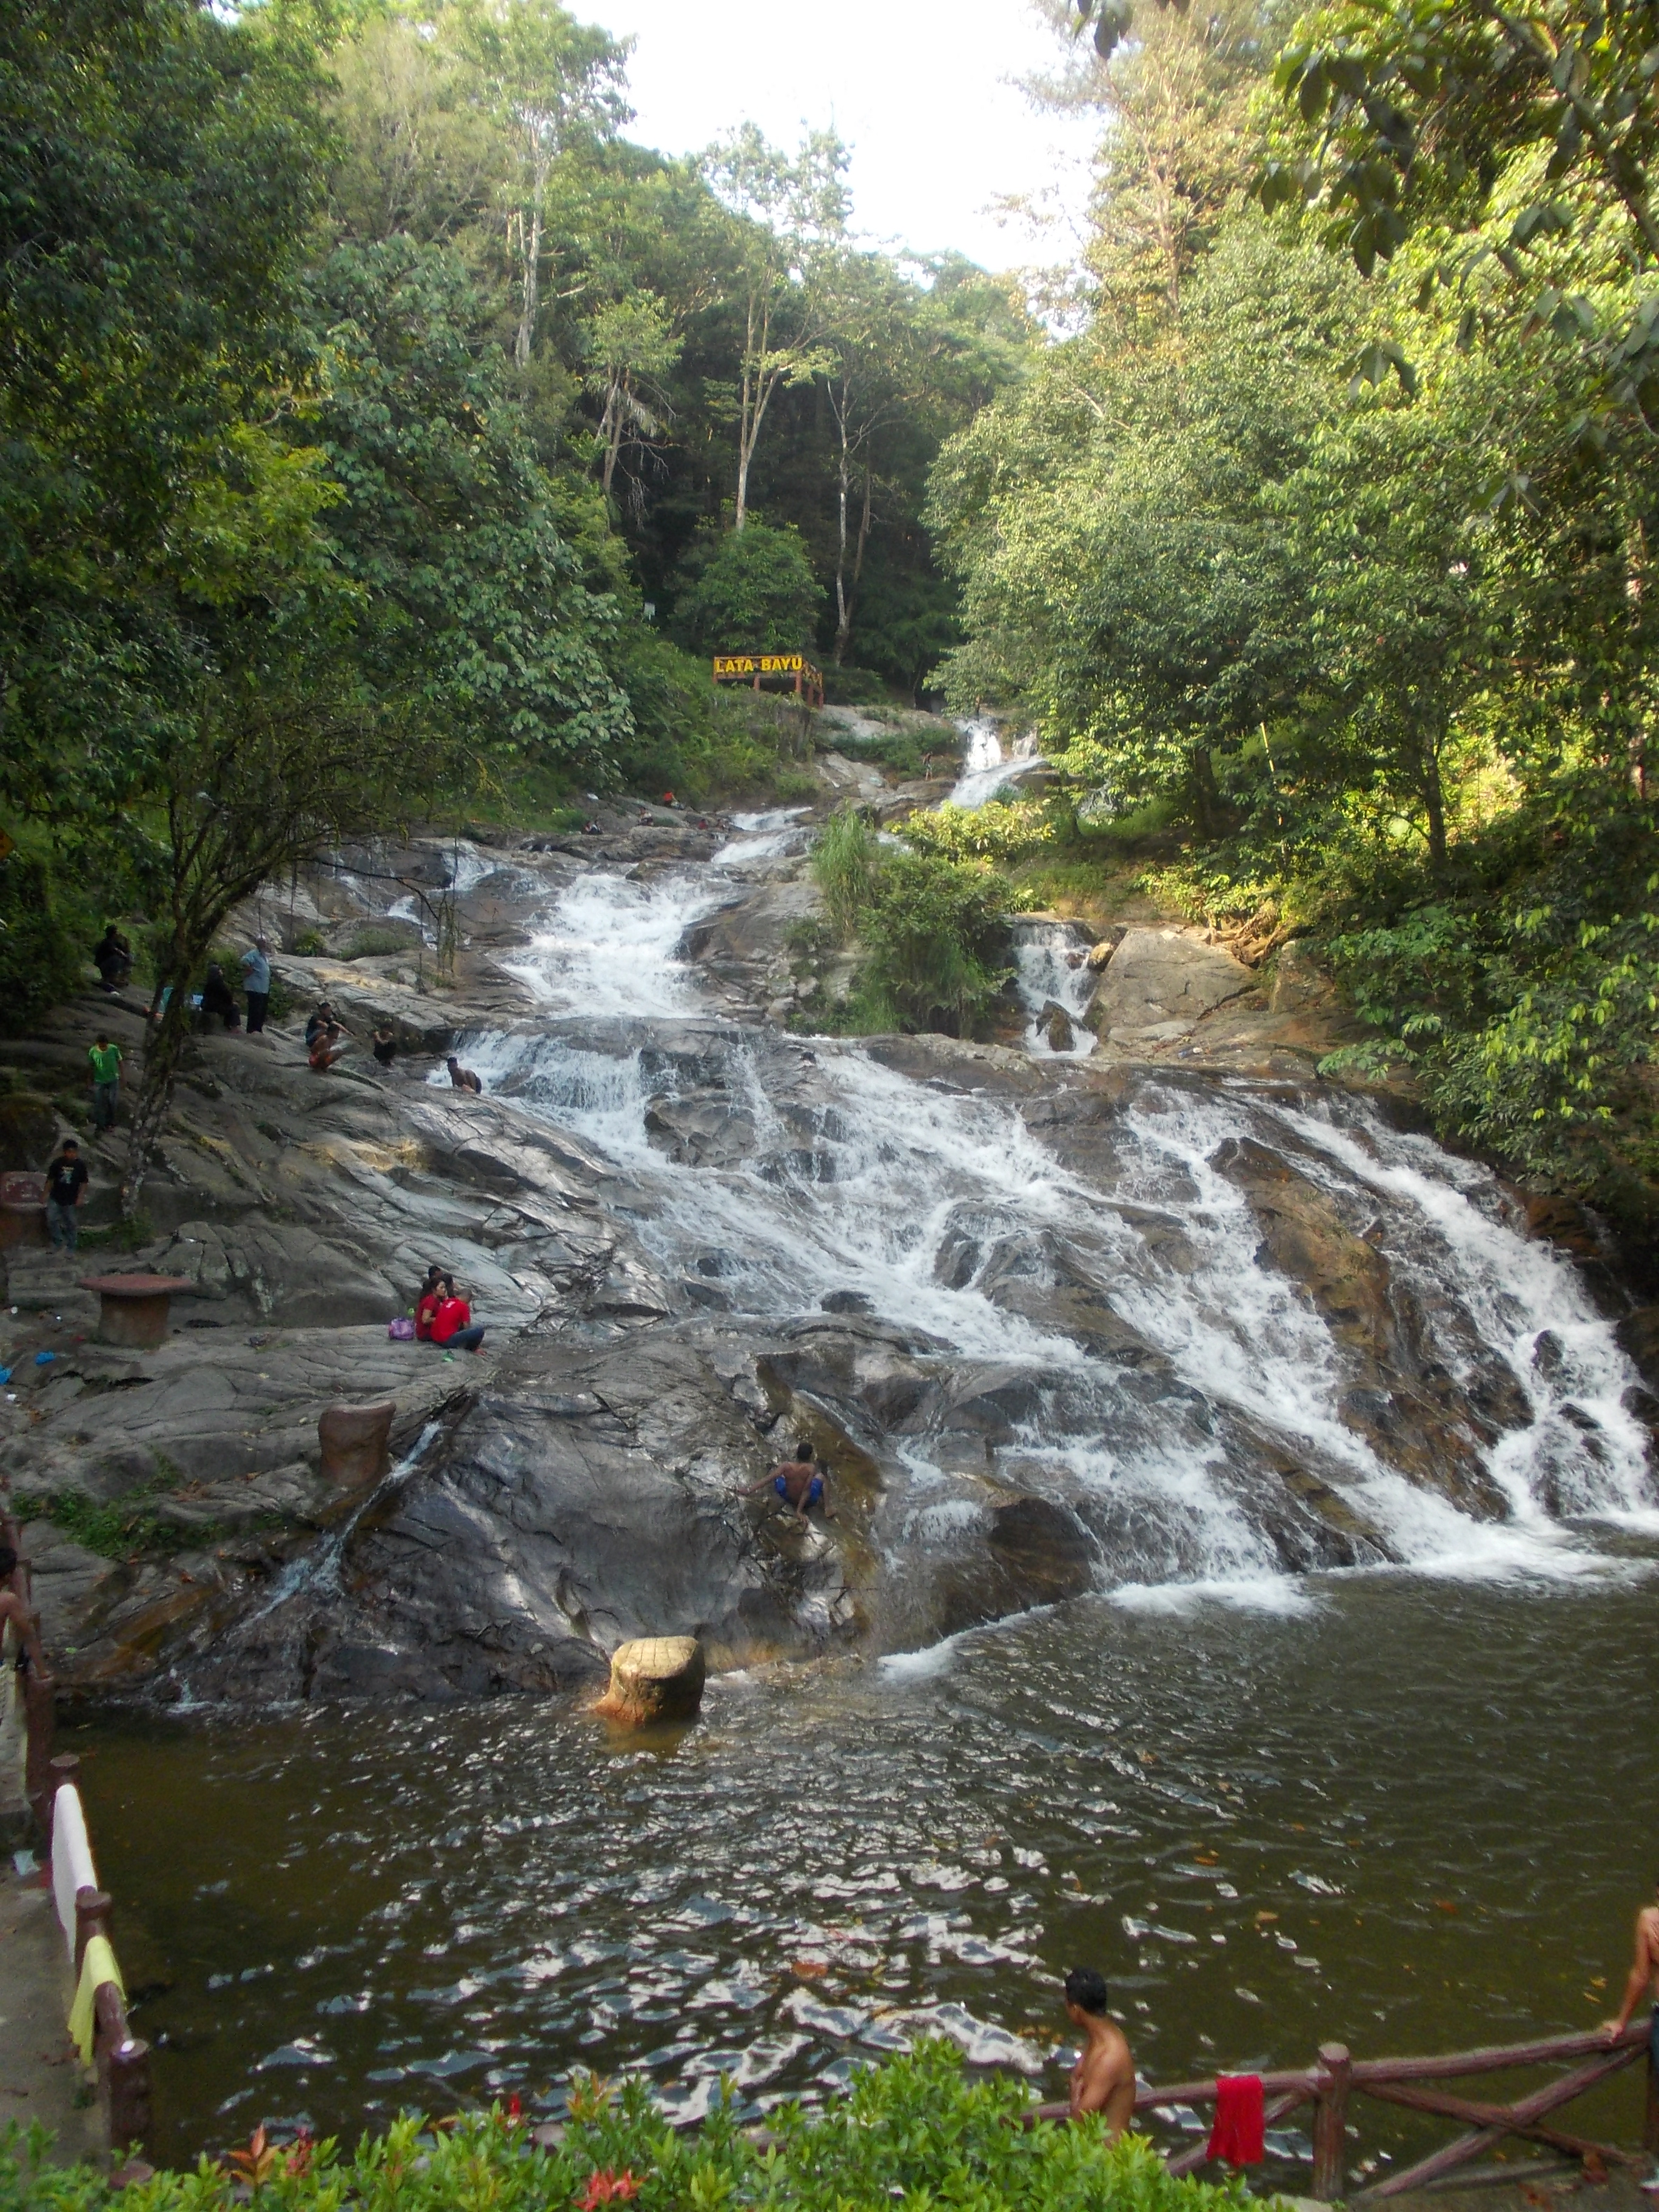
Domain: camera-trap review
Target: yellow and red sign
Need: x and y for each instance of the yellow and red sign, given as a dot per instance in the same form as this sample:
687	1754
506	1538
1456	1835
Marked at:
759	664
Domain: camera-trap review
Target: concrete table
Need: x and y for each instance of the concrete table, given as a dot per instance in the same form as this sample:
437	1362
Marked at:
133	1309
22	1209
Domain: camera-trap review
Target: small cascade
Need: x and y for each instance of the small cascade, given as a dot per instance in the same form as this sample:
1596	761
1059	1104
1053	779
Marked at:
986	768
1052	969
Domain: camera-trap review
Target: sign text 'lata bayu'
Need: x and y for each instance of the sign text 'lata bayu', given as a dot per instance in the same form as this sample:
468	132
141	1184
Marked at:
752	667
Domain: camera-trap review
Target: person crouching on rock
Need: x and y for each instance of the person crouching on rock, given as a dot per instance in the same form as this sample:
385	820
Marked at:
452	1326
462	1078
329	1043
317	1022
799	1484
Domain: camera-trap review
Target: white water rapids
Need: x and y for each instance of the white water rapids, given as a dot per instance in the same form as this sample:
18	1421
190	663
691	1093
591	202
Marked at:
938	1208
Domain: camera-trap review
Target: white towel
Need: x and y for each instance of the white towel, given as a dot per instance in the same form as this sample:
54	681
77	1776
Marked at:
71	1859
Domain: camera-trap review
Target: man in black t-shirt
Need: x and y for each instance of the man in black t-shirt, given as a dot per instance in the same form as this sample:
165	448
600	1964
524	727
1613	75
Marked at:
66	1181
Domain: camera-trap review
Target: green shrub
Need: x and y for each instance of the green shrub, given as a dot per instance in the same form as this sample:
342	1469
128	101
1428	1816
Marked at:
933	932
1005	829
915	2131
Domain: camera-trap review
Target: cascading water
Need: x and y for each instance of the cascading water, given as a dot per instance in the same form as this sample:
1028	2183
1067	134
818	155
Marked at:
1051	969
832	1177
986	769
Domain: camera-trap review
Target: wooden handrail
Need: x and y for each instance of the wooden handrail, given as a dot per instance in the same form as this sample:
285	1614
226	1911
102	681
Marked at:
121	2059
1331	2082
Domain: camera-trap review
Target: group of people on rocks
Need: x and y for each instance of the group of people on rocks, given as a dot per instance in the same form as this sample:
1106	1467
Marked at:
443	1315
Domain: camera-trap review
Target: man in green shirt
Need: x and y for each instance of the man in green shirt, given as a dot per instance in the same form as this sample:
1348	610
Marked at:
106	1060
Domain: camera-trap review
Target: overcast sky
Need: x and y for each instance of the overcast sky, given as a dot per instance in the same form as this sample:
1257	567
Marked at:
918	89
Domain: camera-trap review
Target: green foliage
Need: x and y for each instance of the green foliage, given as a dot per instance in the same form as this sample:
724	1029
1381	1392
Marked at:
915	2130
746	591
39	962
116	1528
846	861
932	932
1005	829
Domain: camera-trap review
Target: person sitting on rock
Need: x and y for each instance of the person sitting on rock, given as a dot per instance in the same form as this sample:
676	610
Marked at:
462	1078
425	1306
327	1045
452	1326
798	1483
112	957
216	1000
320	1020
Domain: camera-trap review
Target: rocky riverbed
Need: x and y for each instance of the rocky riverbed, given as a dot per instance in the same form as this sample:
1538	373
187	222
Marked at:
1158	1309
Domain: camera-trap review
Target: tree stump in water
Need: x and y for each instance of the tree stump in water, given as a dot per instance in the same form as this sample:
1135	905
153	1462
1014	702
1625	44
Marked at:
655	1678
353	1442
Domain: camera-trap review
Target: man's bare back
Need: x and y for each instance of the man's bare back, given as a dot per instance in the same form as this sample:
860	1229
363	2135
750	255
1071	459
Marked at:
1103	2079
1642	1980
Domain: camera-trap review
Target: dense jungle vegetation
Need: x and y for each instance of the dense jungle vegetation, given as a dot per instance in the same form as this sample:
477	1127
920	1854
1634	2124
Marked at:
383	433
1319	549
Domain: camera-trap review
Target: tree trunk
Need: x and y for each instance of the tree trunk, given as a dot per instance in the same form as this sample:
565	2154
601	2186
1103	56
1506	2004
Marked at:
531	238
1435	806
611	430
532	288
163	1050
844	606
1206	800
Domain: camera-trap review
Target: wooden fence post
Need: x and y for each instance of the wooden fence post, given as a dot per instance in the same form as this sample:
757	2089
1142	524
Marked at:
92	1911
1651	2121
1330	2127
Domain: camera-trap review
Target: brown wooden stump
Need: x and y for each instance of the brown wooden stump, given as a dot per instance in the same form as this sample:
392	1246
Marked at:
22	1210
655	1678
132	1309
354	1444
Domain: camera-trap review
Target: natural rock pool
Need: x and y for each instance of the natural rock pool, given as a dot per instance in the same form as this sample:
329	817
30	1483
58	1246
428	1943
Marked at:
1411	1811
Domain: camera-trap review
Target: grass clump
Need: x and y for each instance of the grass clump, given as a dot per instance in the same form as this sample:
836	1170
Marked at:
914	2130
114	1528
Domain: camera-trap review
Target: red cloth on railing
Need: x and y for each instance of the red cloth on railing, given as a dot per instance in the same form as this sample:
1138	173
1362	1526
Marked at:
1240	2119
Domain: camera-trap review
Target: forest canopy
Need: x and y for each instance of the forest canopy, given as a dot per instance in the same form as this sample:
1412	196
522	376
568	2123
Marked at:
1319	547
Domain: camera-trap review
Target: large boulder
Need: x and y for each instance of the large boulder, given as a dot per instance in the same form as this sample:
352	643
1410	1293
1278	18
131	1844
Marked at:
1160	983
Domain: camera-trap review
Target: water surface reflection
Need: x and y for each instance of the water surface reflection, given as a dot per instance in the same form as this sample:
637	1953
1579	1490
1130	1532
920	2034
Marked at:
1417	1814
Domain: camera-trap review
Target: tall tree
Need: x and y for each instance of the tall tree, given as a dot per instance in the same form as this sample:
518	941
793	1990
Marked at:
552	79
793	211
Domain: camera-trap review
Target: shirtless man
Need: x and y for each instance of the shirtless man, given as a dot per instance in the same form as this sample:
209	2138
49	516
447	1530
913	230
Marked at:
797	1481
1643	1978
1103	2079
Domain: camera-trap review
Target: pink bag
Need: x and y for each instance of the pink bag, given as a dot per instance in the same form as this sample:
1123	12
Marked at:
401	1331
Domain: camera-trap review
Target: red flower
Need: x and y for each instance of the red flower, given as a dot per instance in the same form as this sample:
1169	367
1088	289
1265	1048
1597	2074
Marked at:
514	2110
299	2150
606	2186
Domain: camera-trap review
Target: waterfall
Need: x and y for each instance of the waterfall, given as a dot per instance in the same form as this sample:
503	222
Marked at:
986	769
958	1215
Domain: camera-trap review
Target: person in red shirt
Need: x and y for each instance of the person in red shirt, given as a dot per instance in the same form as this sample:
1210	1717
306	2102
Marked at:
453	1325
426	1304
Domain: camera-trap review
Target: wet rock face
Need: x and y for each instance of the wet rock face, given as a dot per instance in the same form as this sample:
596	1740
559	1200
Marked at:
1160	983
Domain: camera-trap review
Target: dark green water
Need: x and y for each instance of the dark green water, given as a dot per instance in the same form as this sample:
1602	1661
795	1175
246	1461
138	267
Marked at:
1444	1791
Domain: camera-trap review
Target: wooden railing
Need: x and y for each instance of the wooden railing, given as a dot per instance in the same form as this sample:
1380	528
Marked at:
120	2058
1330	2083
